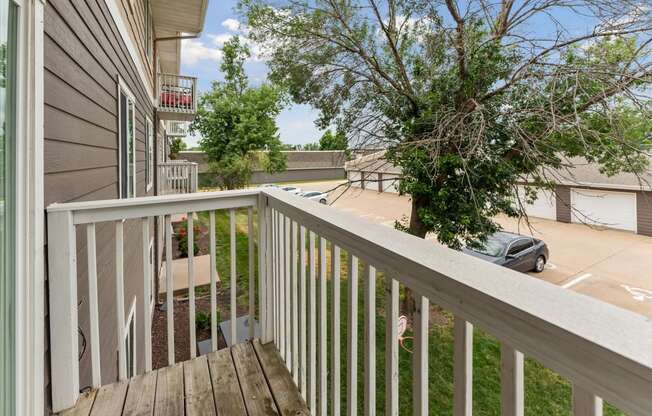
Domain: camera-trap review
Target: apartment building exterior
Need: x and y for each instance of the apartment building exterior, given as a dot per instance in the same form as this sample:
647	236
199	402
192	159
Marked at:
96	89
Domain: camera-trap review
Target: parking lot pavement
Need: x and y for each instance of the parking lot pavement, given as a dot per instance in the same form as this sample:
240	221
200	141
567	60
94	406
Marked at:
613	266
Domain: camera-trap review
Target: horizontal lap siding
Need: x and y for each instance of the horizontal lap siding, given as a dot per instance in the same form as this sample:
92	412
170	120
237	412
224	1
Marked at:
84	56
563	203
644	213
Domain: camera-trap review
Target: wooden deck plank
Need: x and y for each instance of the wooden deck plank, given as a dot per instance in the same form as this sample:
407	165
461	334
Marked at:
110	399
257	396
169	391
250	379
140	396
286	395
83	406
198	387
226	390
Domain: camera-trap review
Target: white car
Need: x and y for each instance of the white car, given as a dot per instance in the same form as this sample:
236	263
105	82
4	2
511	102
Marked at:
322	197
291	189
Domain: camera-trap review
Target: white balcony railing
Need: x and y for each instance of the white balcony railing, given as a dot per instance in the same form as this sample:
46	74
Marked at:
177	94
176	128
604	351
178	177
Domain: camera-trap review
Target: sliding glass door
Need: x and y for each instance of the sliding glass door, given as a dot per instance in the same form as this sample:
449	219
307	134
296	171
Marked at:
8	50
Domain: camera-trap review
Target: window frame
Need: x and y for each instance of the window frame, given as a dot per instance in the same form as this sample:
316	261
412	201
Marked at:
148	36
149	154
123	89
519	242
28	256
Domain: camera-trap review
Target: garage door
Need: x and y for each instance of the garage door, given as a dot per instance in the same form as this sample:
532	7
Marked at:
390	184
371	181
545	205
354	178
608	209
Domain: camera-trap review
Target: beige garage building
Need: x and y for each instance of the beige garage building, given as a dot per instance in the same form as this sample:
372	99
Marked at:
582	195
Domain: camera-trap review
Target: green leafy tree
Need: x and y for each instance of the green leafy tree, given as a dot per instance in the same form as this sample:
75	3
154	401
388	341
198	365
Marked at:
311	146
177	145
467	97
237	122
330	141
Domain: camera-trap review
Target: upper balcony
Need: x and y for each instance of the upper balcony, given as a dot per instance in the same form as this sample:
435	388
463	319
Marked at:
175	128
324	287
177	97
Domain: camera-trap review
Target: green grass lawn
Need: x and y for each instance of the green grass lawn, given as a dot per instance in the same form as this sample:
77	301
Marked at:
546	393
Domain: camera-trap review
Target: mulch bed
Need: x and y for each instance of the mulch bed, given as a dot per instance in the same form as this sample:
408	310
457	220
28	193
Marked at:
182	329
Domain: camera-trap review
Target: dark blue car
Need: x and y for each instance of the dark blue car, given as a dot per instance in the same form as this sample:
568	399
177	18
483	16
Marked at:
514	251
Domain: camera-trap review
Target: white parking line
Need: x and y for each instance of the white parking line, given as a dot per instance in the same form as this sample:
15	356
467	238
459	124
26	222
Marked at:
576	280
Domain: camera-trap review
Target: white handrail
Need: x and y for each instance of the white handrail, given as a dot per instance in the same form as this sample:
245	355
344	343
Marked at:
597	346
605	351
63	249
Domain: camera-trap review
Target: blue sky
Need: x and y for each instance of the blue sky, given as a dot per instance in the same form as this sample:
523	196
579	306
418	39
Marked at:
201	58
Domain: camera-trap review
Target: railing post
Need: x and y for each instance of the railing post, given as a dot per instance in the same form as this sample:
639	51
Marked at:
263	272
62	276
585	403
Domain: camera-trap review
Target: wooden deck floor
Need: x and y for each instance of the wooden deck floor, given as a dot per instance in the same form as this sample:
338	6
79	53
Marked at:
247	379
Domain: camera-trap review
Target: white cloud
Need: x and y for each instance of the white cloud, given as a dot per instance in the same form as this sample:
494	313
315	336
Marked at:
231	24
193	51
220	39
256	51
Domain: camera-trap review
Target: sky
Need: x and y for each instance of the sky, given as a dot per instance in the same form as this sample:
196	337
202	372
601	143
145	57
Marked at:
201	58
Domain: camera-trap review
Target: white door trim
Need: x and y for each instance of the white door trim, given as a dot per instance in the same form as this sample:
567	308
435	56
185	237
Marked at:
30	224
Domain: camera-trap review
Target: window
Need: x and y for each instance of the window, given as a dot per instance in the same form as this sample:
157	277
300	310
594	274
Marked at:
127	143
149	154
519	246
8	105
148	35
130	341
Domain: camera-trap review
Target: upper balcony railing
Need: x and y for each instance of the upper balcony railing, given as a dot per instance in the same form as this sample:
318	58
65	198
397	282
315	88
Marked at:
177	97
175	128
178	177
604	351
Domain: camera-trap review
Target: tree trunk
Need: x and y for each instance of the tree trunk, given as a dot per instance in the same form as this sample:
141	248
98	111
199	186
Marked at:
416	228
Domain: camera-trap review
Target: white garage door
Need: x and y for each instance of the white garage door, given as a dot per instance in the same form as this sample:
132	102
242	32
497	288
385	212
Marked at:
390	184
545	205
354	178
371	181
608	209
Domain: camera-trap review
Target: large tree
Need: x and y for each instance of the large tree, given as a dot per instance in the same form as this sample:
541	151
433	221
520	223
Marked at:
237	122
469	97
330	141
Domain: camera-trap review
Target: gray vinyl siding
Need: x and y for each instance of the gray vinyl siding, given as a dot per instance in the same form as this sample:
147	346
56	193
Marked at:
563	203
84	56
644	213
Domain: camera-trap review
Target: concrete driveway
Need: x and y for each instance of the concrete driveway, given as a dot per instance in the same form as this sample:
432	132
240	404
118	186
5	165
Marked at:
613	266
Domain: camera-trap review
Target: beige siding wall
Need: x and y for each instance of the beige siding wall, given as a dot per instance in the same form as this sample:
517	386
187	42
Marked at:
84	55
